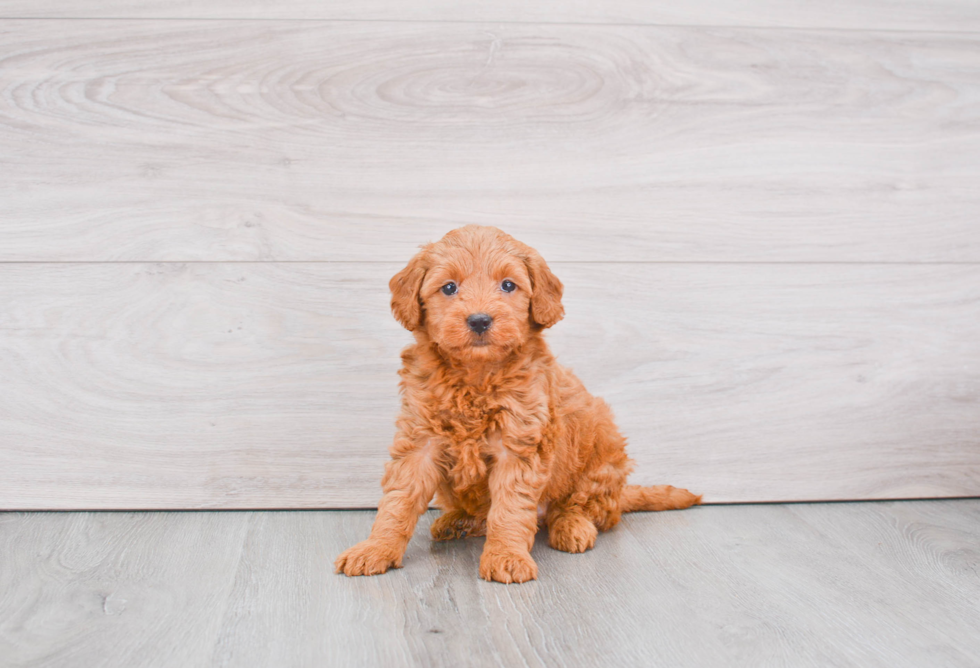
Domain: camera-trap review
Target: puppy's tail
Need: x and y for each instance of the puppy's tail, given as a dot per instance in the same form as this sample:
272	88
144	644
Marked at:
658	497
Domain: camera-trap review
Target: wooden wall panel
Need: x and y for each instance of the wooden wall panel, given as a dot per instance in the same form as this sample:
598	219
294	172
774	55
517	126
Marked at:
233	385
945	15
769	236
286	140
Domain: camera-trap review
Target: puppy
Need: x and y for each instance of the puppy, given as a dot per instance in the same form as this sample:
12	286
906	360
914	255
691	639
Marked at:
490	424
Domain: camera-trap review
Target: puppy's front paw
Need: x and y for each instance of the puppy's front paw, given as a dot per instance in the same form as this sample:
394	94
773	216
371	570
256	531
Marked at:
369	557
507	567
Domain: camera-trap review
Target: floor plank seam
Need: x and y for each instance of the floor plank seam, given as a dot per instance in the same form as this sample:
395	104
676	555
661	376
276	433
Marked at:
471	22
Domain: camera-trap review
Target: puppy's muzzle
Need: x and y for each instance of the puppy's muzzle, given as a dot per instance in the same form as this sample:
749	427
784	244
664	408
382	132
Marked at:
479	322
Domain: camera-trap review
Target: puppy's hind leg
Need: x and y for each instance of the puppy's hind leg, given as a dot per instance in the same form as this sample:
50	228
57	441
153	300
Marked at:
456	520
453	524
569	529
574	522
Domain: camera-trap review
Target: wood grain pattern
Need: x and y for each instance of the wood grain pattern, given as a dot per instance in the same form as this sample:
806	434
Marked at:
716	156
945	15
273	384
872	584
92	589
283	140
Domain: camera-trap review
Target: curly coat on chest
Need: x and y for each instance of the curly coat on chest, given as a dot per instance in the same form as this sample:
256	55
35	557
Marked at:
491	425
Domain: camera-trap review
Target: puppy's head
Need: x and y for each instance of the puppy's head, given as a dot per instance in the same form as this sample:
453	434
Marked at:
477	293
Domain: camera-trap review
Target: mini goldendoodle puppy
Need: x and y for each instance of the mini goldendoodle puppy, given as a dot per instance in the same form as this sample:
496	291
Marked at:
491	425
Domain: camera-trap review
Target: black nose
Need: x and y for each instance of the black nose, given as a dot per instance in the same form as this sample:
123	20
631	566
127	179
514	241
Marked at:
479	322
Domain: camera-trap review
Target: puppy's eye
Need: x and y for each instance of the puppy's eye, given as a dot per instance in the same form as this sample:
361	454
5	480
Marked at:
449	289
508	286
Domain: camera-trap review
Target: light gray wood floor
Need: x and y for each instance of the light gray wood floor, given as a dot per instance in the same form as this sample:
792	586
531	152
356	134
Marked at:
863	584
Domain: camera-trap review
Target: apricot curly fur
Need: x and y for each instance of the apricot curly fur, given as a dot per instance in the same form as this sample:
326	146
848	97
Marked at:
491	425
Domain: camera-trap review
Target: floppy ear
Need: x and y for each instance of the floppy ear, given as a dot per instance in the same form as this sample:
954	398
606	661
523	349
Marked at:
546	308
405	285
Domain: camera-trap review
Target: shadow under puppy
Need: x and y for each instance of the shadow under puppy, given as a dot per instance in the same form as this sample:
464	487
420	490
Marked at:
491	425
